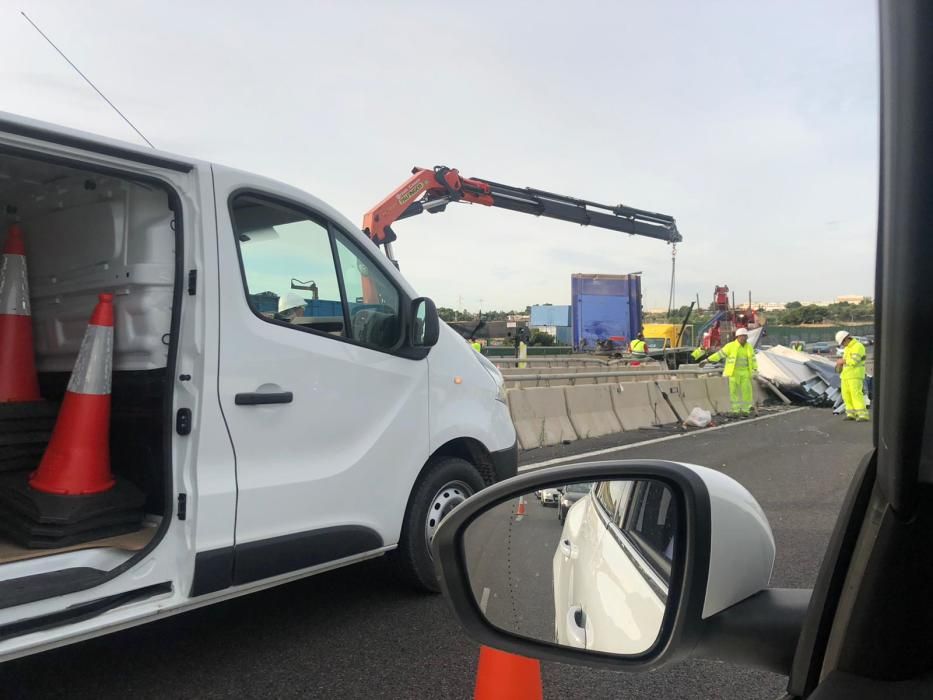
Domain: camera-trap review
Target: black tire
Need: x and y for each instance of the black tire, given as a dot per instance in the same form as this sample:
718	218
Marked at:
412	559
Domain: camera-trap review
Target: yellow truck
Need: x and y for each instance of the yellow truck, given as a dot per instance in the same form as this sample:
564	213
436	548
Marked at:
670	343
663	336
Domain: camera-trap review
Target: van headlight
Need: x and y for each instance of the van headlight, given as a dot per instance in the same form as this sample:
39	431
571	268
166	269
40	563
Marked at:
495	374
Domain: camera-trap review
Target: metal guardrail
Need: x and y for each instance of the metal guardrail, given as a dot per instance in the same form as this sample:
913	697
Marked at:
555	358
623	373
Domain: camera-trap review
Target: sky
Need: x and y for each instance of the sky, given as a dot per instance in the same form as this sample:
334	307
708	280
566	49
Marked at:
754	124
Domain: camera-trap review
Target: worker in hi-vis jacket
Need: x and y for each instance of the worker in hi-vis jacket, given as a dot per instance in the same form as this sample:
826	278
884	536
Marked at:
851	368
740	366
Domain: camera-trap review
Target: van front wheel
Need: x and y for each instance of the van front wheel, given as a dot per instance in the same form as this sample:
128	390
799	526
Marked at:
443	486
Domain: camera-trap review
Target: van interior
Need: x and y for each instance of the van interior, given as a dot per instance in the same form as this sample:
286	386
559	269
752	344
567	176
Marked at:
88	233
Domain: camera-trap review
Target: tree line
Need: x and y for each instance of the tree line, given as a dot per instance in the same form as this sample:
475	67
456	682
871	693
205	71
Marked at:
794	313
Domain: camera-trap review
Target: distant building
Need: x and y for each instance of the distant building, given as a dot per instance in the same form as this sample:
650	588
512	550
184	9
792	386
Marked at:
501	329
769	305
850	299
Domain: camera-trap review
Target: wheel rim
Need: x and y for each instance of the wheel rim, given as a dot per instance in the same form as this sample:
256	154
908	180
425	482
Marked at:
445	500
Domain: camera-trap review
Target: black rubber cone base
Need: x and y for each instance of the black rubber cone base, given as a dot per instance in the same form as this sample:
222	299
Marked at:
29	410
42	520
17	496
46	537
25	430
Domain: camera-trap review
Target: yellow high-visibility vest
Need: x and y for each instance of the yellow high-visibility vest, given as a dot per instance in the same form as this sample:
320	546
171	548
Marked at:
741	357
854	356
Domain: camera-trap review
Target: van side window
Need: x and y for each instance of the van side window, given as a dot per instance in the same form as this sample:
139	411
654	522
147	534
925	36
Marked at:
372	300
289	266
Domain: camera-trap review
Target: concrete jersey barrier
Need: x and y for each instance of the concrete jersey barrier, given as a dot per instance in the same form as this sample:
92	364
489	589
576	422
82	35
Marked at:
717	389
694	394
540	417
675	394
632	404
590	410
663	415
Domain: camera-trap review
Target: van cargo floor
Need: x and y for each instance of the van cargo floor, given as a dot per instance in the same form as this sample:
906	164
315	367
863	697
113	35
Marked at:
131	541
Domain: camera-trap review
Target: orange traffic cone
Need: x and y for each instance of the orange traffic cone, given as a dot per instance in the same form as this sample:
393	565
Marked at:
521	506
77	460
504	676
18	380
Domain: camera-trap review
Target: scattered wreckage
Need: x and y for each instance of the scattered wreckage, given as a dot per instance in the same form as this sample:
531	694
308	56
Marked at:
803	377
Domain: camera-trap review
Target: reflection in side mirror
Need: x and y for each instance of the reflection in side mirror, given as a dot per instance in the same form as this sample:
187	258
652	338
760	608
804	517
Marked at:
582	565
425	327
637	564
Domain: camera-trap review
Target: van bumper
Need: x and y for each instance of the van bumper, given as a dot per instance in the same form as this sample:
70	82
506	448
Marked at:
505	462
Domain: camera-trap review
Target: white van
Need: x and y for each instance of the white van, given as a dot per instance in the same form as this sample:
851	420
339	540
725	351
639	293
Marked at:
273	439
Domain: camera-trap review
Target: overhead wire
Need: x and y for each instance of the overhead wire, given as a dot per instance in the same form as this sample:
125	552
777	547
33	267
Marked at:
86	79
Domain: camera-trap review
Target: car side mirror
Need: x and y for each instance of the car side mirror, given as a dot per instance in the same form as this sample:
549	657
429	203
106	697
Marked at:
426	326
656	561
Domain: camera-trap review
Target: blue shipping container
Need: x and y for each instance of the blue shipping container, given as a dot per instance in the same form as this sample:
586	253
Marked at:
605	306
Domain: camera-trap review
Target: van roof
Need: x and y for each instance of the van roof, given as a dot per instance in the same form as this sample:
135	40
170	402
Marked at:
87	141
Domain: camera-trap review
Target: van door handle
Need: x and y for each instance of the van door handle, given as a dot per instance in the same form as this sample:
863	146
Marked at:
576	632
568	549
259	398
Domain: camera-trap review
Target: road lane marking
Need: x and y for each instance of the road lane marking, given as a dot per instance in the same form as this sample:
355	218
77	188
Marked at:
484	601
654	441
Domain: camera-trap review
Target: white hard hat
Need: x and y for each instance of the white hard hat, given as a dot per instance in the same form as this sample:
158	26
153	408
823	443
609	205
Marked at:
290	300
840	336
741	331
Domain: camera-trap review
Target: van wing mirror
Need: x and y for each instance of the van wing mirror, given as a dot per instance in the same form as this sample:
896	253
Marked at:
426	326
648	563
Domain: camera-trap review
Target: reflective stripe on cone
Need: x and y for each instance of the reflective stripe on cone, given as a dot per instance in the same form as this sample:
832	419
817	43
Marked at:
77	460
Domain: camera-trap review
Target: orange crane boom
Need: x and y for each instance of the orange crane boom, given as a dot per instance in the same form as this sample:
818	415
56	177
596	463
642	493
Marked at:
432	190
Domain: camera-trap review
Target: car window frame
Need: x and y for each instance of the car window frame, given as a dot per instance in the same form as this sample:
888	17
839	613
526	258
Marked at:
355	249
660	584
600	506
401	347
652	557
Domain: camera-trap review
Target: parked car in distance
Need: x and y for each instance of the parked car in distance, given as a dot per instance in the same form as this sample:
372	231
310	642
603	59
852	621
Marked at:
571	494
550	497
823	347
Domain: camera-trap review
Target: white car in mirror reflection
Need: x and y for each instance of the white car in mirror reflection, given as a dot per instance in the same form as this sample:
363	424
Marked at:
550	497
612	566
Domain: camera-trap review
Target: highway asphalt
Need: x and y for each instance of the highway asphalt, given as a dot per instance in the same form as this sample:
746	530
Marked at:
356	633
509	552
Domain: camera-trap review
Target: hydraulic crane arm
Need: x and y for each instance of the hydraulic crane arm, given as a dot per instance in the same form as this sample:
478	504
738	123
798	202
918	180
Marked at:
432	190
